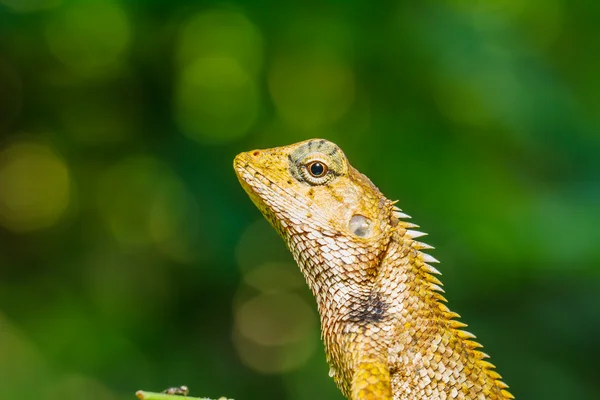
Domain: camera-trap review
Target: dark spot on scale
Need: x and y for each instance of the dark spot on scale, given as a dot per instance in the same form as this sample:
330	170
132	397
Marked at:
335	173
310	193
289	181
368	310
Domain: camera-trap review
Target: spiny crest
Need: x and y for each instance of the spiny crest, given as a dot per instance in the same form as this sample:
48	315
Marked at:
451	317
398	212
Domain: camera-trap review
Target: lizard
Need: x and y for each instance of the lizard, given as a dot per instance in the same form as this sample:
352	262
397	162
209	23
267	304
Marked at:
387	331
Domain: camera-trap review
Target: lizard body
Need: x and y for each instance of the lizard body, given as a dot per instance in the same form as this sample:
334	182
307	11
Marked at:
386	329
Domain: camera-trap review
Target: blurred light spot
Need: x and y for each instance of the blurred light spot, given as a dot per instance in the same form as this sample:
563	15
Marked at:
74	387
127	290
144	202
510	95
111	115
259	236
11	94
469	101
20	363
34	186
90	37
540	26
462	103
275	359
275	332
216	97
550	215
311	91
275	277
25	6
216	100
221	34
274	319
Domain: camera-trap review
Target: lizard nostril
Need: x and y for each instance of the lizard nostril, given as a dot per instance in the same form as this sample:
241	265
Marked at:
256	153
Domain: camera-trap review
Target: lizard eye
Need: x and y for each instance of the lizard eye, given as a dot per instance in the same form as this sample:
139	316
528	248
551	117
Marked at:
317	169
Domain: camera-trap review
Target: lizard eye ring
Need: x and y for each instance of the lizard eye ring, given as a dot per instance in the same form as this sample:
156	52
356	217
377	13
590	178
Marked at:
317	169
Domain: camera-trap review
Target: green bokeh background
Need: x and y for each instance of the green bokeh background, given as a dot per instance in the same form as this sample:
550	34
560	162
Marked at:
130	257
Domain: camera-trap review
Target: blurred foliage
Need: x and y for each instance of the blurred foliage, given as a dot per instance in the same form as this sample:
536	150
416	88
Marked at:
130	257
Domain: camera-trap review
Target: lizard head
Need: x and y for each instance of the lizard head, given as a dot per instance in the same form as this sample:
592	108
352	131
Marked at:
310	189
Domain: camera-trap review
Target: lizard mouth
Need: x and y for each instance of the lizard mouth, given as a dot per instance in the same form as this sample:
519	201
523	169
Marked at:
262	191
240	166
280	204
254	183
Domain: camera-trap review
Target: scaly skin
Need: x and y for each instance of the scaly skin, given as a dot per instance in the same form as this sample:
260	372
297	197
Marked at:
386	329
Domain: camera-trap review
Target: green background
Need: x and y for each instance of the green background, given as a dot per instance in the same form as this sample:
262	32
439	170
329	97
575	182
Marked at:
131	259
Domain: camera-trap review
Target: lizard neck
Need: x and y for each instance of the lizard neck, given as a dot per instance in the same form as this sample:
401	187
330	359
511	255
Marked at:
340	275
389	308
